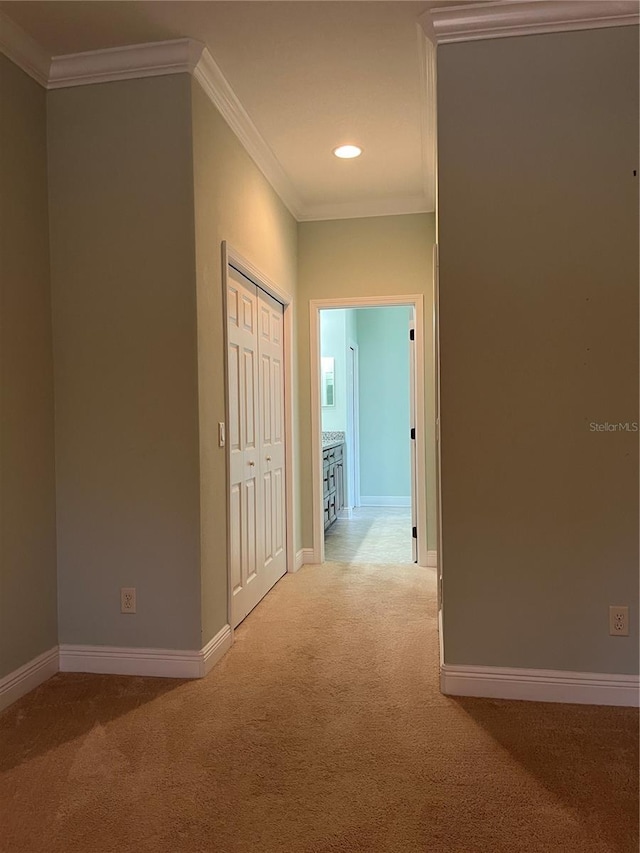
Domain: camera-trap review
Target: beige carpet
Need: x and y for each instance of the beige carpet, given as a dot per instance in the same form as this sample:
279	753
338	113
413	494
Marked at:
321	730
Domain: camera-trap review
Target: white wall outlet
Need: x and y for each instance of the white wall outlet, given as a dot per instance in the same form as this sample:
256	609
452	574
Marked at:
619	621
221	434
128	599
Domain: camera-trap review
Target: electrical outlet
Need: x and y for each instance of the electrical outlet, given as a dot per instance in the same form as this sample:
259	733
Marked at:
128	599
619	621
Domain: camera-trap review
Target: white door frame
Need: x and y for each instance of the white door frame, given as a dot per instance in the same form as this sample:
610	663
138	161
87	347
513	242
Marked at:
436	377
231	257
353	443
415	301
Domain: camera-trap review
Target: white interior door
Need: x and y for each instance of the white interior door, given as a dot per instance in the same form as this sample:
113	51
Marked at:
256	443
272	553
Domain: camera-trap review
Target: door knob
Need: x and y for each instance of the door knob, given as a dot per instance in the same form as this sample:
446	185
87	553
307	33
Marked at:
252	464
268	459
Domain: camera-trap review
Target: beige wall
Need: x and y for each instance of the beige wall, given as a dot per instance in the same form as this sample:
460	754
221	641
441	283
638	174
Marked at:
233	202
378	256
125	344
538	234
28	609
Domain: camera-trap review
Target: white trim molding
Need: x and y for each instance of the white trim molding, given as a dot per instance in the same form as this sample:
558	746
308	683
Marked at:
540	685
216	648
162	663
304	557
153	59
309	557
222	96
506	18
365	209
114	660
118	660
385	500
28	677
428	100
24	51
432	559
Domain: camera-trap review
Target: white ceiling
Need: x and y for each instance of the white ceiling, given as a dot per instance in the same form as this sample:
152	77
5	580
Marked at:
311	75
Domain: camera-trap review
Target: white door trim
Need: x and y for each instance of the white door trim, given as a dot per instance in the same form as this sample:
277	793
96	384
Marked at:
415	301
436	382
231	257
353	444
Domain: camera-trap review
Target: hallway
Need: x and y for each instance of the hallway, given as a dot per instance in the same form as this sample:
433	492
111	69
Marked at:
321	731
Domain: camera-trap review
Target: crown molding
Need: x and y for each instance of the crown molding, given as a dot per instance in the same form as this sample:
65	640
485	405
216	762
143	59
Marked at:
192	57
427	61
366	209
490	20
125	63
24	51
217	88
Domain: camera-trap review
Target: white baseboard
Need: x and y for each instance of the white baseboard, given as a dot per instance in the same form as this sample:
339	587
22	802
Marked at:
162	663
114	660
216	648
432	559
28	677
118	660
540	685
384	500
309	557
305	557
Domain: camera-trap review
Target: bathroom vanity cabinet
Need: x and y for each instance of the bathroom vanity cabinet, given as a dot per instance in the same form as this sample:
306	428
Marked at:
333	481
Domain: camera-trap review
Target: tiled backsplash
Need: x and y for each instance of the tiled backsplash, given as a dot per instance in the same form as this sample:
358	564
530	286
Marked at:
332	436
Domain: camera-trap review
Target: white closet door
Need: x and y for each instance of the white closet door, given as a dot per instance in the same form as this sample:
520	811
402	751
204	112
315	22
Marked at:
243	439
256	443
271	385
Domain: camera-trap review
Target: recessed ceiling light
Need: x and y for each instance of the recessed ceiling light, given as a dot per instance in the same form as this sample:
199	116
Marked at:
347	152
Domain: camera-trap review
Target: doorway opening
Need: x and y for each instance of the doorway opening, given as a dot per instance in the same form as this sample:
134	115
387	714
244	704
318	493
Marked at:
368	430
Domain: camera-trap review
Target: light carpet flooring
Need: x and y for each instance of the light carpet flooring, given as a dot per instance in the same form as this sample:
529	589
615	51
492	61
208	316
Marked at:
373	535
321	731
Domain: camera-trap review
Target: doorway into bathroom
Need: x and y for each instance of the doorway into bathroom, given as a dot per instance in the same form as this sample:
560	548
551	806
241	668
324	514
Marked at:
367	434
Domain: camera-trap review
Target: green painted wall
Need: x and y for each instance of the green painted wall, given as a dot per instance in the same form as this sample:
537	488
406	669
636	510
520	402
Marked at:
383	342
125	352
538	234
28	607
